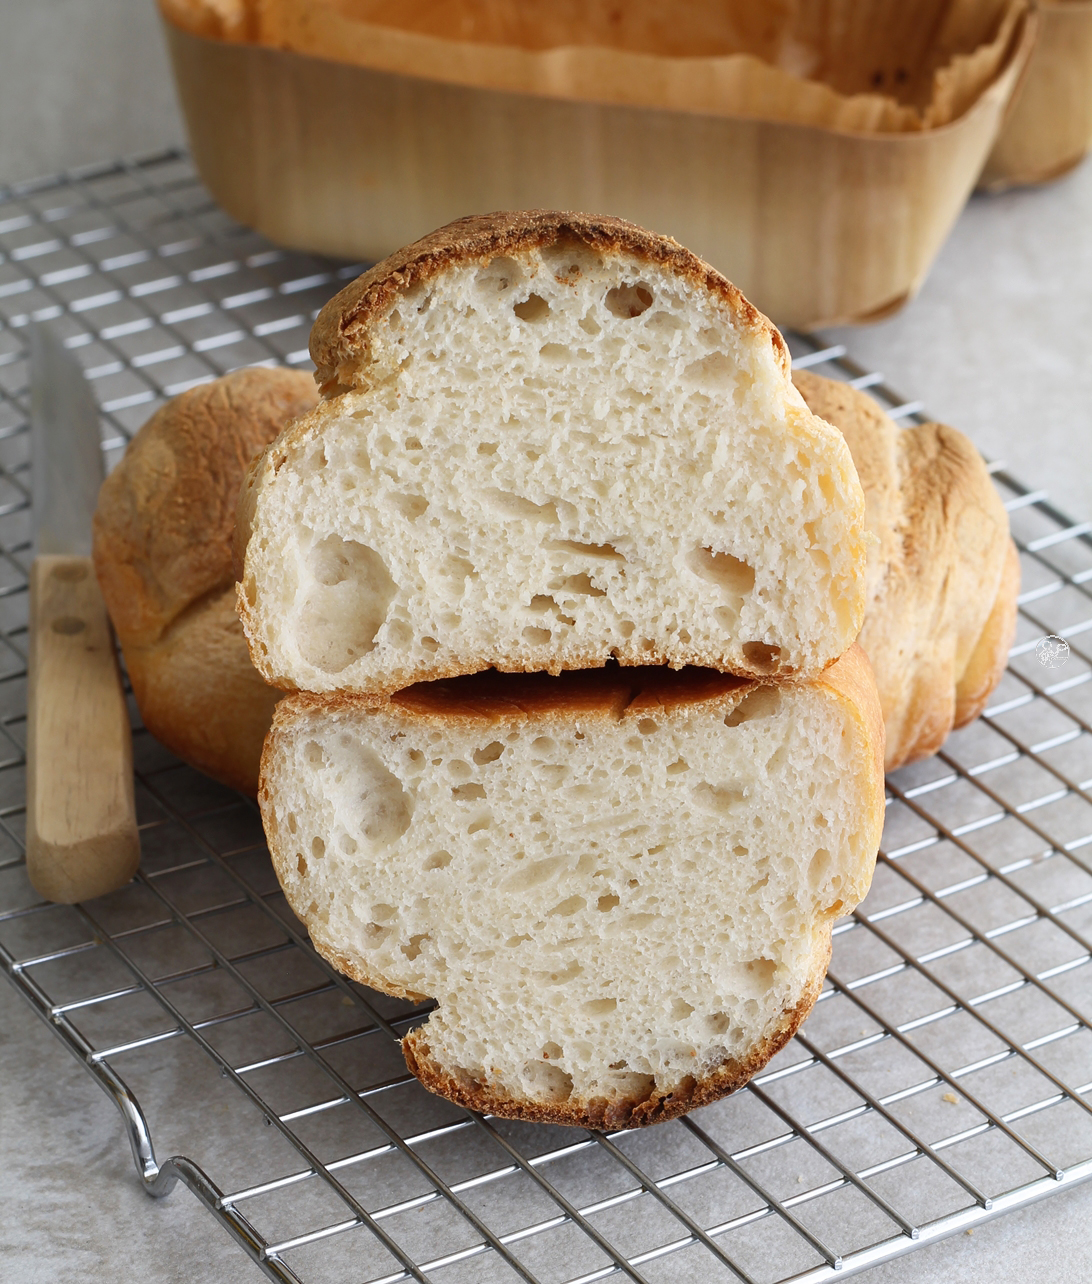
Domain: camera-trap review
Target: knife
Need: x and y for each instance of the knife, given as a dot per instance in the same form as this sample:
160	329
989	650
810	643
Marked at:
82	838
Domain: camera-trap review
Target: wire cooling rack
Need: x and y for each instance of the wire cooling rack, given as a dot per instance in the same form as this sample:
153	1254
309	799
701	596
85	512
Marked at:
945	1075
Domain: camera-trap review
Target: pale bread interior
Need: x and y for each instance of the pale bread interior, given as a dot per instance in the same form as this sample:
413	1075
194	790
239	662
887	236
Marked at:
564	456
607	902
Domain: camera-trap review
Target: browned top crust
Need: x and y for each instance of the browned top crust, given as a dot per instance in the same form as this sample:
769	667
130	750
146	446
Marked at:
341	339
163	526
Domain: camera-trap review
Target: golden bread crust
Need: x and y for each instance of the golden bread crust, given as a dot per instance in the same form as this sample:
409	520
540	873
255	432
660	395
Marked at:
199	694
347	340
942	578
162	550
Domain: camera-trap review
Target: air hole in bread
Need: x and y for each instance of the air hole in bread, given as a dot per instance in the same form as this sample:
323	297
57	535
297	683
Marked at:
818	868
717	373
413	949
504	504
290	820
680	1010
438	860
600	1007
568	258
763	702
458	568
469	792
557	353
499	275
578	584
762	972
301	865
717	800
318	848
348	844
606	902
588	550
628	301
533	874
537	637
718	1023
729	573
761	655
533	308
410	506
677	767
479	823
385	807
346	603
430	644
399	635
489	753
648	726
568	907
487	448
549	1082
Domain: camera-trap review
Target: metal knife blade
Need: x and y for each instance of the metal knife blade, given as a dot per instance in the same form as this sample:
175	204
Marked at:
82	838
66	448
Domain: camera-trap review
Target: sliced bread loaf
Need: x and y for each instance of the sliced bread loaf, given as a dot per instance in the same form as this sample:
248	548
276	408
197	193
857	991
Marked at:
618	884
548	440
943	572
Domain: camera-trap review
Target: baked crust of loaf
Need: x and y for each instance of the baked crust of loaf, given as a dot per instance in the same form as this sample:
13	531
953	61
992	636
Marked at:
162	550
347	341
943	576
479	703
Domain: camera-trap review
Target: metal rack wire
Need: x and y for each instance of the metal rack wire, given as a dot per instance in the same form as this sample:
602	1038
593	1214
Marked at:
944	1077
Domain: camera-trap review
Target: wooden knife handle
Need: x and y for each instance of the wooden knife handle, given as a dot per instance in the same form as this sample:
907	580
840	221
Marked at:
82	838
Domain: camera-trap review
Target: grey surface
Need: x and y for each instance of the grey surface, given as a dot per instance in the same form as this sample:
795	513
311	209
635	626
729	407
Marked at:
999	341
80	80
62	1223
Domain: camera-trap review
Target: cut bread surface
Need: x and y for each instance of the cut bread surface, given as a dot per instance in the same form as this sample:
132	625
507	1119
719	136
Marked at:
619	885
543	449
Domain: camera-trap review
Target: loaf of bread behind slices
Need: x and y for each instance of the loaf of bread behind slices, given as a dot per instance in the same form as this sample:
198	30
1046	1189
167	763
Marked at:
619	884
943	575
162	549
548	440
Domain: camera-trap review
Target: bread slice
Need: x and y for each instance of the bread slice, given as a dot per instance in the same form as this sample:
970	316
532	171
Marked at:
548	440
162	550
618	884
943	573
